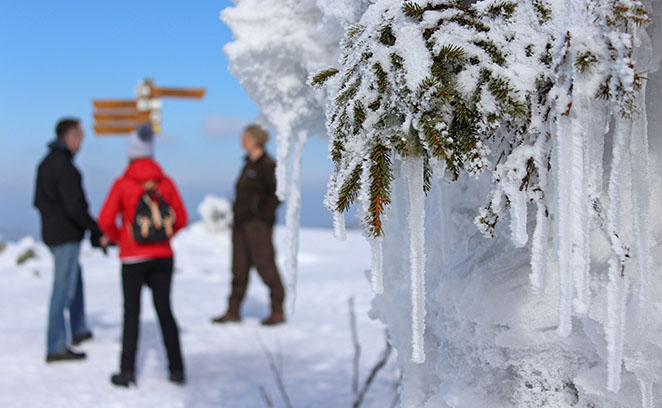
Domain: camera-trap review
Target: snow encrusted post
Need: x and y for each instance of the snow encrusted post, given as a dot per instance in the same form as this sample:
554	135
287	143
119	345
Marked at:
537	102
277	43
293	213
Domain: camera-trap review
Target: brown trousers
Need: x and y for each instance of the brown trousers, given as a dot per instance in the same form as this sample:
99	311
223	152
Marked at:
252	246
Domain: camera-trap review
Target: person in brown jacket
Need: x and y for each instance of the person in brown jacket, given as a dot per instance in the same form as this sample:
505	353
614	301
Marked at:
254	216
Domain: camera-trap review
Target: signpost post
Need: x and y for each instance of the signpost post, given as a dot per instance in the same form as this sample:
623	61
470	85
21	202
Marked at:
123	116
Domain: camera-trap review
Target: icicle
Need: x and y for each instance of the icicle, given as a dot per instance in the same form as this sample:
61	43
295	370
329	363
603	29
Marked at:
518	218
283	162
618	279
615	327
282	175
376	265
339	231
640	204
293	218
572	214
646	393
563	152
579	260
414	170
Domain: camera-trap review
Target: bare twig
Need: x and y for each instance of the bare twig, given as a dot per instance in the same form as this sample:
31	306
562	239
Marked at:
396	400
357	347
373	373
619	248
265	396
396	397
276	372
281	360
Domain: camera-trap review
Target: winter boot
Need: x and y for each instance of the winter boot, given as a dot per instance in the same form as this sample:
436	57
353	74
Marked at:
123	379
81	337
177	377
275	319
227	318
66	355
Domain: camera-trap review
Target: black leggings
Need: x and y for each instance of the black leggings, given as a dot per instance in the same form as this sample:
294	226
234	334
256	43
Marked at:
157	274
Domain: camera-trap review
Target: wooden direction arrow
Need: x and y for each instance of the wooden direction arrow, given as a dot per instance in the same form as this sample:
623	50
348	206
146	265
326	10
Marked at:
119	124
112	130
178	92
121	114
104	129
114	103
109	127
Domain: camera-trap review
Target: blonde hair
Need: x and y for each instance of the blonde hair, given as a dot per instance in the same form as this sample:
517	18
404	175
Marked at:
259	135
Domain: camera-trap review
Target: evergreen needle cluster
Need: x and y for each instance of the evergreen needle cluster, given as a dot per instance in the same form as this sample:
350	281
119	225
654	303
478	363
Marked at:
454	117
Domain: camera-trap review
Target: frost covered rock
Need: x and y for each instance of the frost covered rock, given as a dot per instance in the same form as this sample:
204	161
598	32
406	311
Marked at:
23	253
216	213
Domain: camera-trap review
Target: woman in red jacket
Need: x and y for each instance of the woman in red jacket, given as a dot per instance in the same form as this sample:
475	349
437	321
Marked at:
152	211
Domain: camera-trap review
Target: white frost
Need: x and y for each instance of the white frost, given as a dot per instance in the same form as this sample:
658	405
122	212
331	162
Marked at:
376	267
413	169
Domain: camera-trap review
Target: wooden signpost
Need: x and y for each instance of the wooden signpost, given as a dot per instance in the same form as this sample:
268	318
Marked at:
123	116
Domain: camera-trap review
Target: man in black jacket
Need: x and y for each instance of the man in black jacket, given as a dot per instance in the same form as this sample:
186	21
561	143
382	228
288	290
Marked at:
60	199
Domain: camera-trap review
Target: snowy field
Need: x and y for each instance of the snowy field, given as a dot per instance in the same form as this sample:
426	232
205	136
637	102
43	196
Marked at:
226	365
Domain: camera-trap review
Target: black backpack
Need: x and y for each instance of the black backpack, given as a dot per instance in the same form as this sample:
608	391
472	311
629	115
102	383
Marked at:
154	220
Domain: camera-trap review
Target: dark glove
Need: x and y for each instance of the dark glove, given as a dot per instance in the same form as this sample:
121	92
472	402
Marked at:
95	240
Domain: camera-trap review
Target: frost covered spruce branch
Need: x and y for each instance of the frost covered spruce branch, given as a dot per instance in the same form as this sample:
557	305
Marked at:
433	85
449	88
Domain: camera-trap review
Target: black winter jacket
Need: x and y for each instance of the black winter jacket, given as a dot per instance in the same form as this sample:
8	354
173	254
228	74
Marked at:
60	198
256	192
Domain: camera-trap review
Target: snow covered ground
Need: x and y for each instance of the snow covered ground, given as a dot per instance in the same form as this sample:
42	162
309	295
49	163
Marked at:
226	365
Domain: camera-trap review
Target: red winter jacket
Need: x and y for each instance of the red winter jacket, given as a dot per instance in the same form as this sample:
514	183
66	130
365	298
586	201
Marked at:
123	199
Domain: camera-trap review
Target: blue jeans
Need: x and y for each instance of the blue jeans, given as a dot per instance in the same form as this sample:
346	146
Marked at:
67	294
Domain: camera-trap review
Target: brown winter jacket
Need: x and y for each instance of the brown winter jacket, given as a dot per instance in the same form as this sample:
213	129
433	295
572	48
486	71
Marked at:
255	195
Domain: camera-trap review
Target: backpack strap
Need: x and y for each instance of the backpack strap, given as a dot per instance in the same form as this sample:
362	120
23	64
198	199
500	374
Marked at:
150	187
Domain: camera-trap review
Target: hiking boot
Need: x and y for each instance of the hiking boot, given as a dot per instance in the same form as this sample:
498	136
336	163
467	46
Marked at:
227	318
274	319
123	379
66	355
80	337
177	377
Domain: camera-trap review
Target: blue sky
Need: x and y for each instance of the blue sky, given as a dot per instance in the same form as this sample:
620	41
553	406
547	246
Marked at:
57	56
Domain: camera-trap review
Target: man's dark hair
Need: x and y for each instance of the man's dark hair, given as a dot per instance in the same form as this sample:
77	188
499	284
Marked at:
64	126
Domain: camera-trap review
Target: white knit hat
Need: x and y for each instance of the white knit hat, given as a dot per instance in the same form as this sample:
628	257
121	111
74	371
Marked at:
141	142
